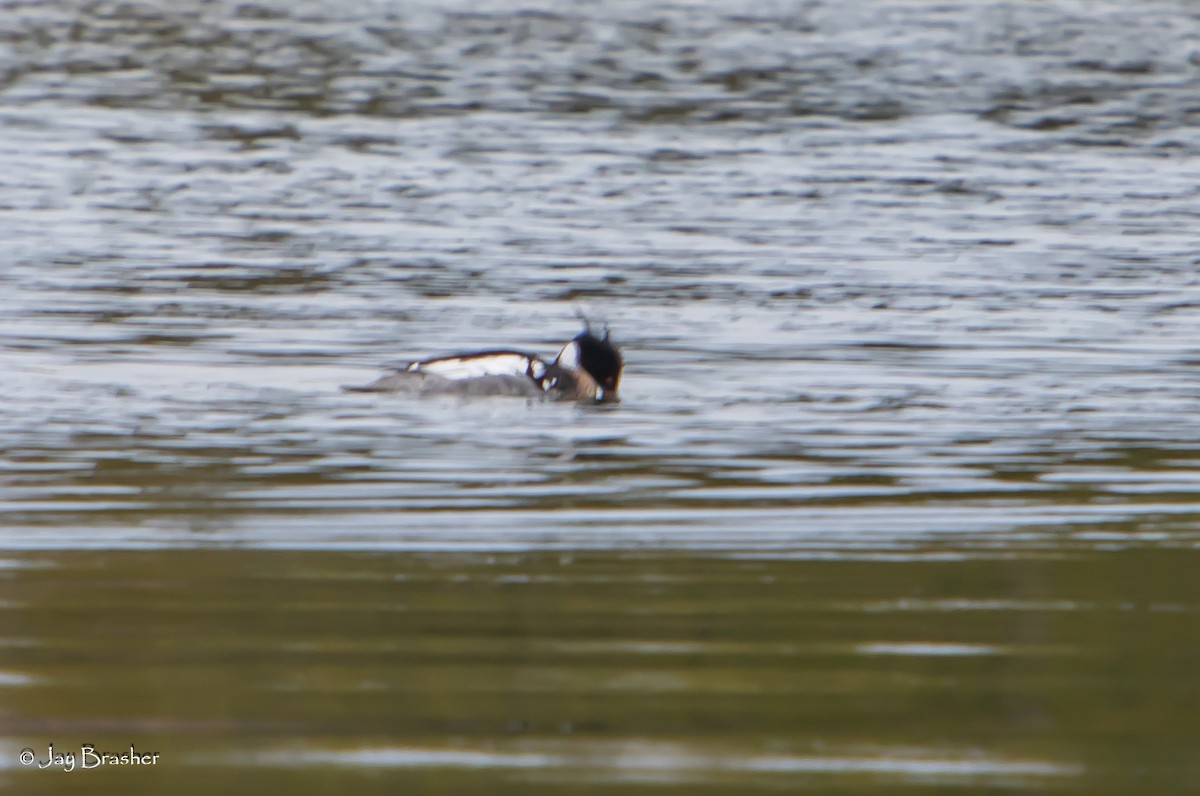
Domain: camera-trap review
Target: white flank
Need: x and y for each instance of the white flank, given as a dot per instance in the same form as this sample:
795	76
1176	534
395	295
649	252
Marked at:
472	367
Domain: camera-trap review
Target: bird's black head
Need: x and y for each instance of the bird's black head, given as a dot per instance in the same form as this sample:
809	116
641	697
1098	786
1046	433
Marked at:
602	360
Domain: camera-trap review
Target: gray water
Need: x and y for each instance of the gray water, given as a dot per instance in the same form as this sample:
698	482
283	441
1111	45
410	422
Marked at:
902	283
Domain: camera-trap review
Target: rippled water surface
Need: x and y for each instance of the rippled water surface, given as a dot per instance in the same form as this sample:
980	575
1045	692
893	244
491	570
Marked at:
902	490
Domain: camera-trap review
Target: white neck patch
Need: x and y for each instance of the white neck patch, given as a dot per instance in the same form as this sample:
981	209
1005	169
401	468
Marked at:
569	357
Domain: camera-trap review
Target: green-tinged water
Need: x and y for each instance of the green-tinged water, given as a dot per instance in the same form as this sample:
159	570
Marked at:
604	672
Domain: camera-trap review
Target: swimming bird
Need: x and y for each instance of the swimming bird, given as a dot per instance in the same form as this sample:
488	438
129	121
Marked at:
587	369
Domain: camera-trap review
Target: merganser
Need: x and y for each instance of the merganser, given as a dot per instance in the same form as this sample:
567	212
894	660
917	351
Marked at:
588	368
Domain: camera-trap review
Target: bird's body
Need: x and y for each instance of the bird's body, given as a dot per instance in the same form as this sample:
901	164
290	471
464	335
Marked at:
588	368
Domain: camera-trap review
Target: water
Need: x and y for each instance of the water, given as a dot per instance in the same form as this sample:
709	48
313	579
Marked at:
901	493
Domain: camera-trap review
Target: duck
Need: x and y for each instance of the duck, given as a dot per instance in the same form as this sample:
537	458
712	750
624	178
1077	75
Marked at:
587	369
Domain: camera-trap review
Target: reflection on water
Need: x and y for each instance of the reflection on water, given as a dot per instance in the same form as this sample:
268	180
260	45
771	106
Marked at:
902	489
527	672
